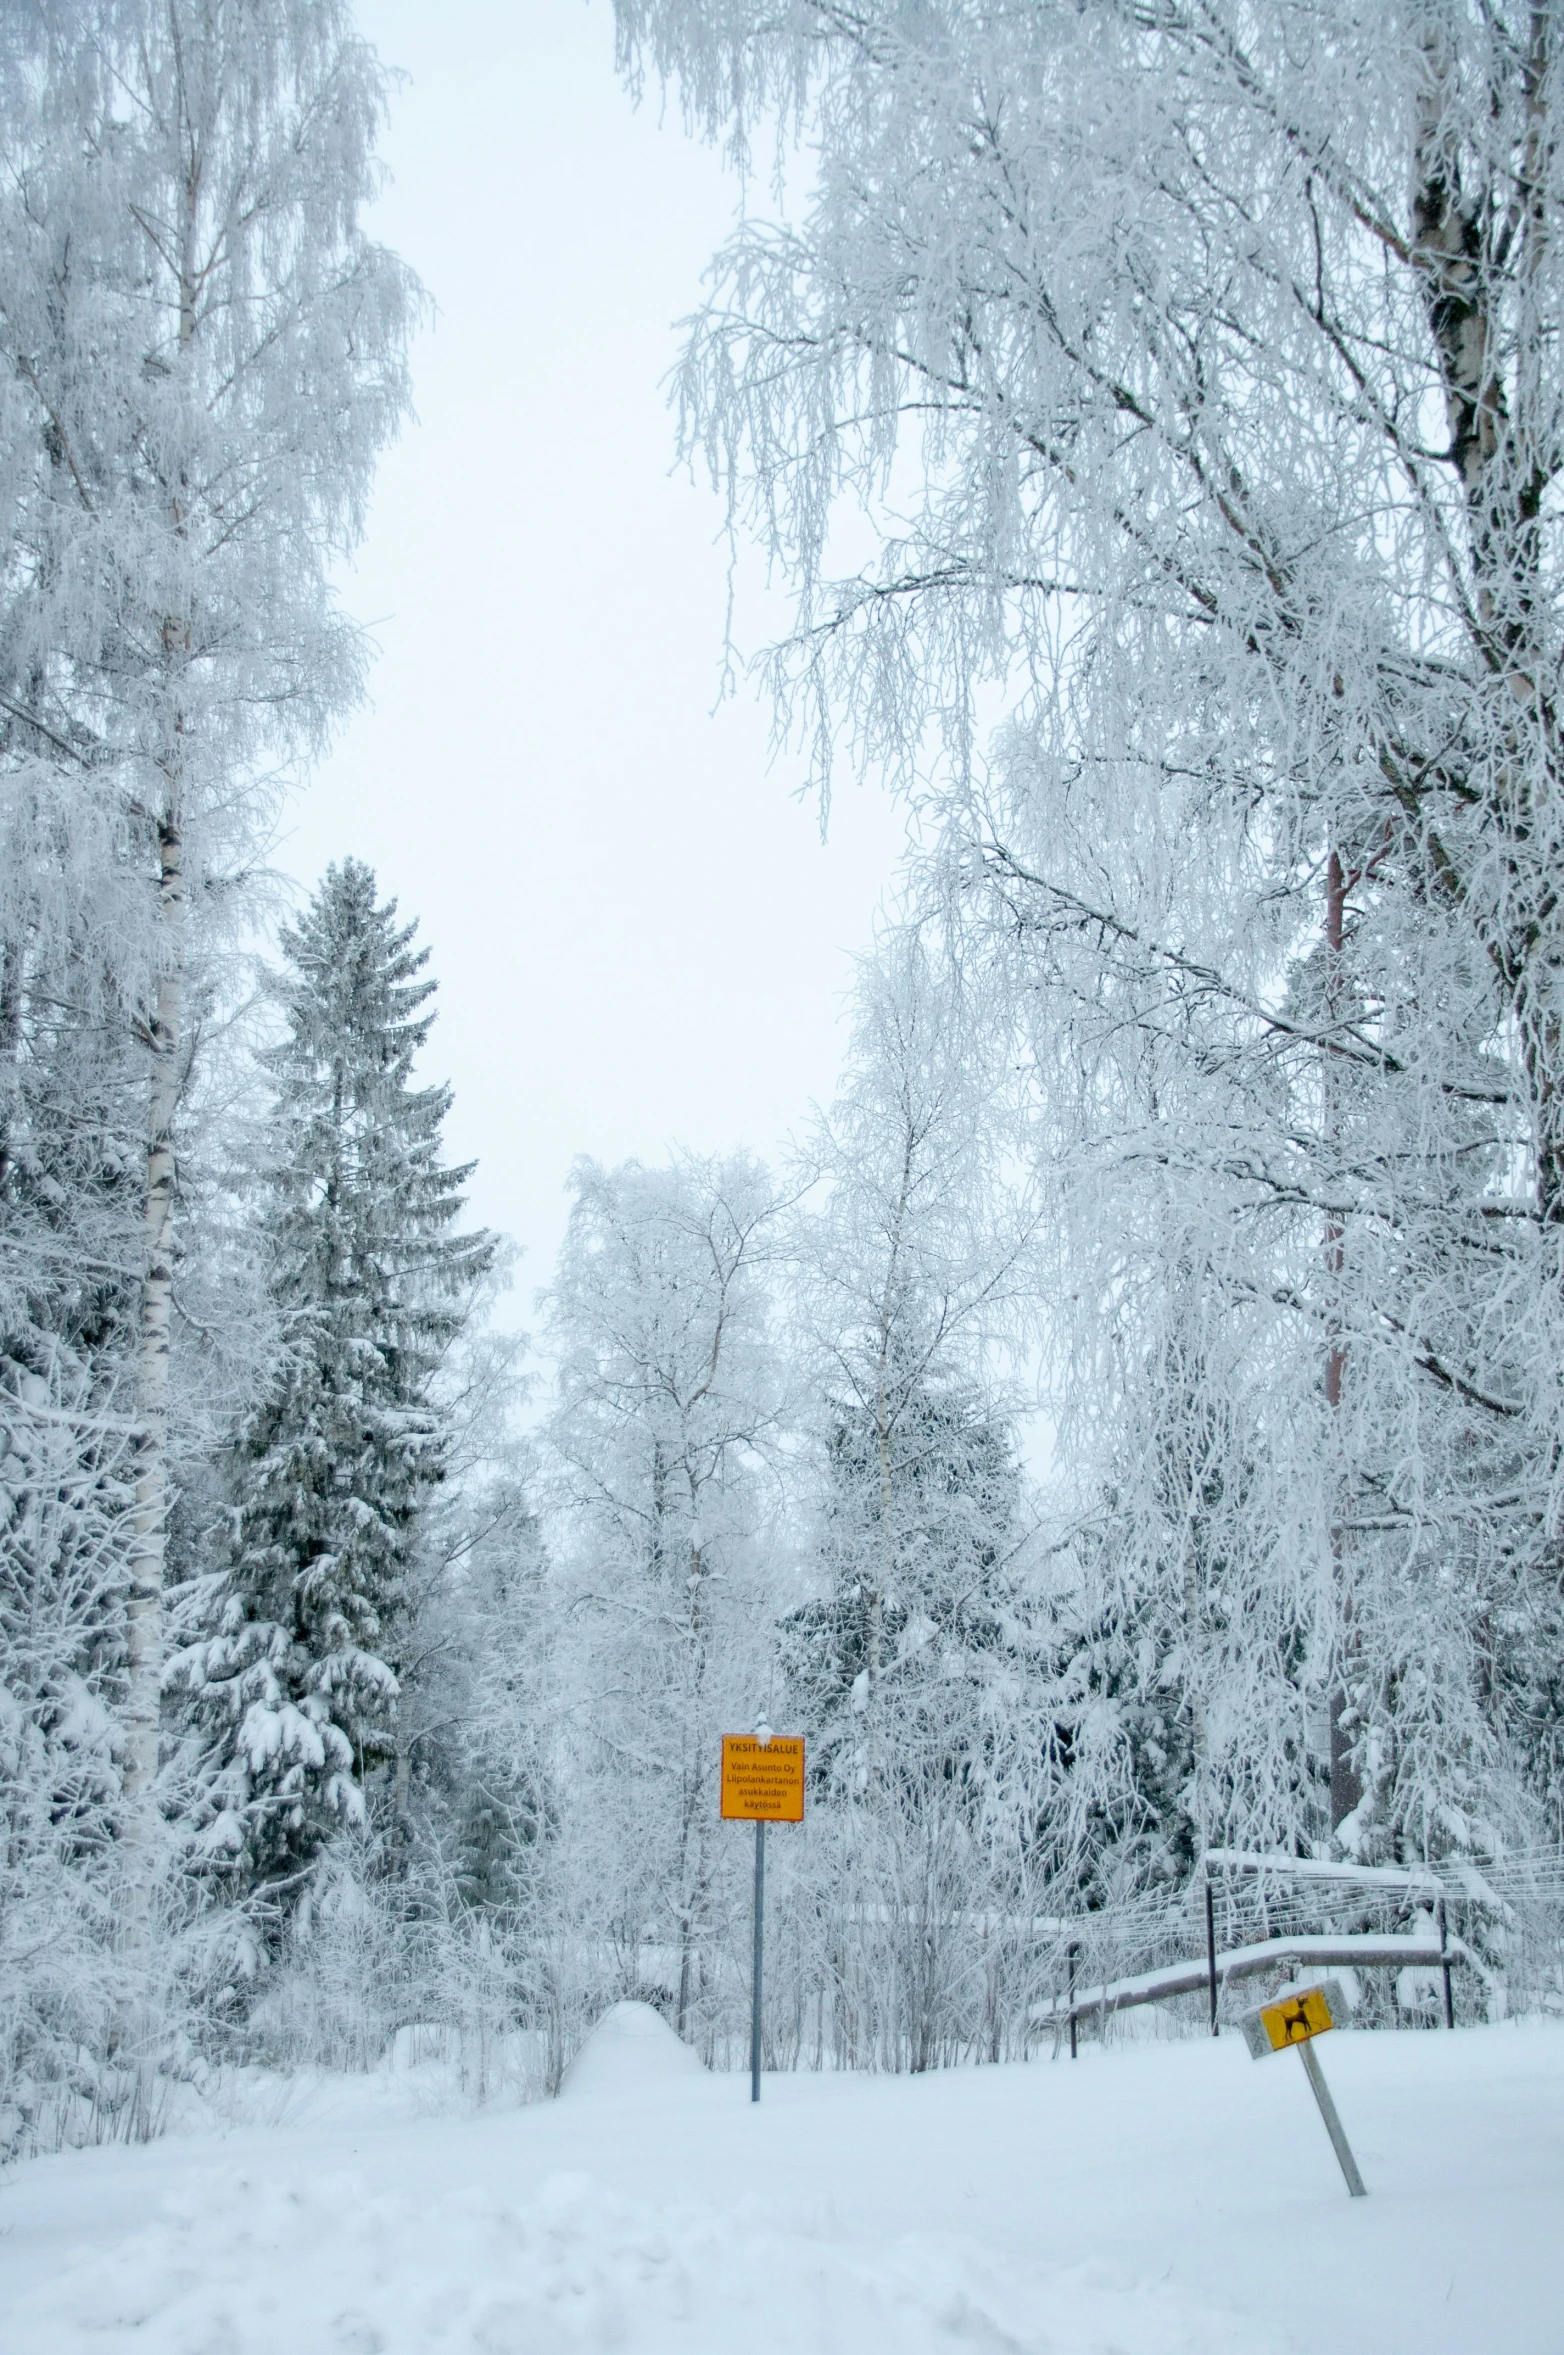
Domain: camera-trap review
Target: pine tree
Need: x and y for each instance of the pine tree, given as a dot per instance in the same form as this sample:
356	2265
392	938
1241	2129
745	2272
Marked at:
298	1678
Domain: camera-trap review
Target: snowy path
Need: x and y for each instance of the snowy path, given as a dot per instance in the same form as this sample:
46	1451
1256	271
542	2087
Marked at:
1154	2200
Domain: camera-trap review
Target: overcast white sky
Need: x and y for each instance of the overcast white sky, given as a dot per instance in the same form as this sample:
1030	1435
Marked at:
639	937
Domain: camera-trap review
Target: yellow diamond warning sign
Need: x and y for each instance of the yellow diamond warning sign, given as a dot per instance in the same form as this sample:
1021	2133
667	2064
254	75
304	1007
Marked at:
763	1782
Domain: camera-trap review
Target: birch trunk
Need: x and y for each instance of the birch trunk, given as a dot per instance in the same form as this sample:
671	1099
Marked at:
874	1631
692	1880
149	1542
150	1518
1346	1786
884	1418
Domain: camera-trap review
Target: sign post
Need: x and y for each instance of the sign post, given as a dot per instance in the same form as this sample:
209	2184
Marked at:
762	1782
757	1968
1296	2018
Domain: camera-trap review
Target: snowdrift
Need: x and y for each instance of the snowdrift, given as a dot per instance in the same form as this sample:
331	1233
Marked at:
323	2268
631	2050
1157	2198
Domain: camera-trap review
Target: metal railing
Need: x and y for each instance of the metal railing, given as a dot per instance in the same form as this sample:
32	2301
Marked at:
1460	1940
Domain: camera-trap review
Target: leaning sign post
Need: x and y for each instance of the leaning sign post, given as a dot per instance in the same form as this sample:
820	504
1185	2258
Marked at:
1296	2017
762	1782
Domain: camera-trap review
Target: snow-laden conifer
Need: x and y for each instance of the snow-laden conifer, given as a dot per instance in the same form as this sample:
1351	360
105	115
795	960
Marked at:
298	1678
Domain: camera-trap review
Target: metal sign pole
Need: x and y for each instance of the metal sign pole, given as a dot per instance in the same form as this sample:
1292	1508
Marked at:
760	1936
1333	2125
762	1782
1297	2016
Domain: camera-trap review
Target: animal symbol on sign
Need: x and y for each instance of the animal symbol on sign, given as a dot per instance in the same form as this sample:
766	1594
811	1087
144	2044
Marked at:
1296	2023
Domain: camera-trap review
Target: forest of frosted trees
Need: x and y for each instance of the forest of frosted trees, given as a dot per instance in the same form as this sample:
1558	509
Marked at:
1129	1420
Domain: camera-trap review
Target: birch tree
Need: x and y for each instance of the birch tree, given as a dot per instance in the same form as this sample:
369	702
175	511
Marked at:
1193	370
670	1404
208	352
69	1127
918	1667
913	1268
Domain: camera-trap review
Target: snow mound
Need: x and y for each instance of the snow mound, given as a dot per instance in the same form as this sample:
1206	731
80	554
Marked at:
631	2046
322	2267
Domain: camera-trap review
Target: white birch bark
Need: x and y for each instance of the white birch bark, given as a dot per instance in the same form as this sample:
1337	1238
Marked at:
145	1639
150	1522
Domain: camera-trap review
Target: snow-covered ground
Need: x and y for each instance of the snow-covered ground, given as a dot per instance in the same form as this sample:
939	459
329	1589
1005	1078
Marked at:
1155	2199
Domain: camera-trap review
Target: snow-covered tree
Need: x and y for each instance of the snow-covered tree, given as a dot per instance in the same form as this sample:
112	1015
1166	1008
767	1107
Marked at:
204	353
64	1498
670	1405
907	1612
1193	374
475	1712
71	1097
69	1232
1191	1618
332	1468
918	1665
913	1266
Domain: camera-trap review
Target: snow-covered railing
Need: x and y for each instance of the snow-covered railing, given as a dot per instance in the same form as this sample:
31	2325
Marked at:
1528	1873
1255	1912
1356	1950
1311	1868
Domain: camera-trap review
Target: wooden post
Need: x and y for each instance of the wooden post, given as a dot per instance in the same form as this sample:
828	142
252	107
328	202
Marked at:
1072	1999
1444	1965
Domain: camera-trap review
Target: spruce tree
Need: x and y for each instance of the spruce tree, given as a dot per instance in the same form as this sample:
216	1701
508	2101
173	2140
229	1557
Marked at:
297	1678
921	1598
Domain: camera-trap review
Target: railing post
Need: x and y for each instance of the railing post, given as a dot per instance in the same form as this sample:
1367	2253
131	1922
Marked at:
1444	1965
1211	1949
1072	1999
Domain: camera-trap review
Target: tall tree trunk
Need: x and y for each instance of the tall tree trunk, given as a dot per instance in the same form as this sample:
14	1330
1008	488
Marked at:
1471	245
150	1518
692	1843
10	1043
874	1614
149	1542
1346	1786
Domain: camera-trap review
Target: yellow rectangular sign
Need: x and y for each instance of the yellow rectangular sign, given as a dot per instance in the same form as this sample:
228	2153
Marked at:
1296	2018
763	1782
